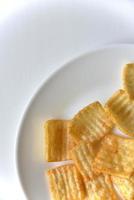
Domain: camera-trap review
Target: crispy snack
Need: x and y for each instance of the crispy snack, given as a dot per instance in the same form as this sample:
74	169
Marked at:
115	156
128	79
121	109
91	123
66	183
125	187
100	188
58	141
83	155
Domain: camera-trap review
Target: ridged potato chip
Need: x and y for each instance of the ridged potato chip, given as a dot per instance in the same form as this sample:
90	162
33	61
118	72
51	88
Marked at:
115	156
128	79
125	187
66	183
100	188
83	155
90	124
58	141
121	109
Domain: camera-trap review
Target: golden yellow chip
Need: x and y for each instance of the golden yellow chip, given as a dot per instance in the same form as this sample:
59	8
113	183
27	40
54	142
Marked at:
128	79
91	123
83	155
115	156
121	109
58	141
66	183
100	188
125	187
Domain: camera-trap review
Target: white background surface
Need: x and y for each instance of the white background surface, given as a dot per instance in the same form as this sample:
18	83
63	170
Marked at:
36	38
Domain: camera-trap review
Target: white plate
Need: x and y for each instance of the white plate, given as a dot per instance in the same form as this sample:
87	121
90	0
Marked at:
94	76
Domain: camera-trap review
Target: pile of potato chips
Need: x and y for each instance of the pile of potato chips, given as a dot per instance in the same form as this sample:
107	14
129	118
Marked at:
102	162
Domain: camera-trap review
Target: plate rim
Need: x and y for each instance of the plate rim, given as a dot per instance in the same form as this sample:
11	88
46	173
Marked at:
39	88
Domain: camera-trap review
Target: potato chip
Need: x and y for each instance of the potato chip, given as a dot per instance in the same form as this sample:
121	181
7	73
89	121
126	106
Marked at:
83	155
91	123
128	79
121	109
125	187
115	156
66	183
58	141
100	188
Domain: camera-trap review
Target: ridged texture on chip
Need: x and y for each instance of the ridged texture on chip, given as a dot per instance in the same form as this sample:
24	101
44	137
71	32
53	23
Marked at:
83	155
115	156
100	188
91	123
128	79
66	183
125	187
121	109
58	141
